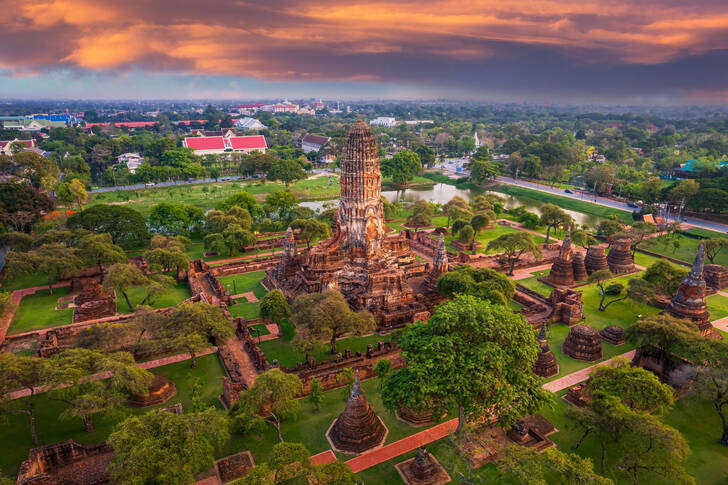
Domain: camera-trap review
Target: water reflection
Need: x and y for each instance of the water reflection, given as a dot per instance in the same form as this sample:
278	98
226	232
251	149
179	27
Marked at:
444	192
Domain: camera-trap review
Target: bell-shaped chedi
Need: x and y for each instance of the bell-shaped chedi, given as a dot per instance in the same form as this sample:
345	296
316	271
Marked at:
596	259
545	365
357	429
583	343
562	271
580	273
689	300
620	258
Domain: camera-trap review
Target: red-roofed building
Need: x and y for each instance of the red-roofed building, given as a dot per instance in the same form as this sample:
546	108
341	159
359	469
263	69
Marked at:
247	144
205	145
5	145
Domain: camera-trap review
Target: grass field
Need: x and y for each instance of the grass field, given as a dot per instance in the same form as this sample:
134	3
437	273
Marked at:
685	252
565	202
717	306
487	235
207	195
176	294
38	311
244	283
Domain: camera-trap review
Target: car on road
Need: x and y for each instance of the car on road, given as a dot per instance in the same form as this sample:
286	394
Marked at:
568	191
148	185
632	204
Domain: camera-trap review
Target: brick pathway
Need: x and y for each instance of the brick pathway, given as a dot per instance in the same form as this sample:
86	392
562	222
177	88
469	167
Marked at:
580	375
172	359
323	457
392	450
721	324
247	369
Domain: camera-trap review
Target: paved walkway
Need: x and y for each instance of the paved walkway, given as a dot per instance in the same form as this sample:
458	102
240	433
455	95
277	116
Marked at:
392	450
580	375
144	365
323	457
523	273
721	324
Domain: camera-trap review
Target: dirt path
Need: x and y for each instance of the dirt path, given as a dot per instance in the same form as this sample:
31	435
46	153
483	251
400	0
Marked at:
580	375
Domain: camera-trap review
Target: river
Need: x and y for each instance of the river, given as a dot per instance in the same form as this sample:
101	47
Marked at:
444	192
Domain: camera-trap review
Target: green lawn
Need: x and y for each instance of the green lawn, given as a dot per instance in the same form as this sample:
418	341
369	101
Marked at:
487	235
38	311
565	202
23	281
15	432
176	294
417	182
245	282
717	306
623	313
207	195
685	252
534	284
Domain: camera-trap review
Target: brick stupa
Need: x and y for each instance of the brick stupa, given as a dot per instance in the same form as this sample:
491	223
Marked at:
595	259
580	273
562	271
357	429
620	258
583	343
689	300
545	365
423	469
372	270
439	264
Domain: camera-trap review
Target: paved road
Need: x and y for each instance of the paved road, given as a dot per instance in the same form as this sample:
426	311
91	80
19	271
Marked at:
587	197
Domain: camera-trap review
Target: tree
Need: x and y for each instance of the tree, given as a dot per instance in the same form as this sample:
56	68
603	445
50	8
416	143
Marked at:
121	278
609	228
281	203
274	306
291	458
639	232
714	246
326	316
514	245
173	218
67	380
402	167
217	221
19	372
651	190
311	229
49	259
192	325
426	154
515	164
482	171
472	356
271	400
456	207
22	205
244	200
99	249
682	192
235	237
163	447
422	212
528	466
77	192
582	238
466	233
168	258
552	216
599	278
382	369
286	171
481	203
127	226
478	223
484	283
333	473
316	393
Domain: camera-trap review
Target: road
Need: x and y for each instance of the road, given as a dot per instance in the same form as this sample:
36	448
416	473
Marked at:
587	197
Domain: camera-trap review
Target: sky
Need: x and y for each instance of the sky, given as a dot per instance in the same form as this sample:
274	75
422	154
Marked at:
575	51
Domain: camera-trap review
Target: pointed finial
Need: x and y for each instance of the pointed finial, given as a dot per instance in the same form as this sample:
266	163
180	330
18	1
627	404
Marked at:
567	239
421	458
542	333
356	389
696	272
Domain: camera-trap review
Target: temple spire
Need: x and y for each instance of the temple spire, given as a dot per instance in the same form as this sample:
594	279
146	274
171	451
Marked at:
566	244
356	389
696	272
542	334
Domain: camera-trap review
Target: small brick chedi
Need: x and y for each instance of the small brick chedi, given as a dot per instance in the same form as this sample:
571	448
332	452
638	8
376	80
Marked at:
580	273
545	365
370	268
689	300
613	334
562	271
357	429
716	276
583	343
439	264
93	302
620	258
423	469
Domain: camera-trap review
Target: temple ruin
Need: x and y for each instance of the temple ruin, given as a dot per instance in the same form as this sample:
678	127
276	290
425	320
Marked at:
689	300
374	271
583	343
620	259
358	428
423	469
562	271
596	259
546	364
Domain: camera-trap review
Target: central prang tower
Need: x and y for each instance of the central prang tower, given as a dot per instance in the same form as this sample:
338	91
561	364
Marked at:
361	214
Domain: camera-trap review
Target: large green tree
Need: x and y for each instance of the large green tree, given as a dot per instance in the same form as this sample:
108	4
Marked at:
166	448
471	356
127	226
50	259
513	245
484	283
20	372
191	326
99	249
402	167
311	229
274	306
552	216
287	171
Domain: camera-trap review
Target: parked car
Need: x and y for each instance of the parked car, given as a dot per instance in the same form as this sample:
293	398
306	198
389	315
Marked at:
632	204
568	191
149	184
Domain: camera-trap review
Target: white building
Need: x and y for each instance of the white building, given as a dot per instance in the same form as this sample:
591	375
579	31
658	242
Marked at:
387	121
249	124
132	160
313	143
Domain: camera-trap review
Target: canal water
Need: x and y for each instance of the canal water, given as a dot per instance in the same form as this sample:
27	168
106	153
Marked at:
444	192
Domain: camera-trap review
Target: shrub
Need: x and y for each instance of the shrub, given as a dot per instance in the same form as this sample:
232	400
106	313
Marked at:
614	289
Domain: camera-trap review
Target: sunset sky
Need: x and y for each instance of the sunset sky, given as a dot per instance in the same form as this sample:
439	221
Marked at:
651	51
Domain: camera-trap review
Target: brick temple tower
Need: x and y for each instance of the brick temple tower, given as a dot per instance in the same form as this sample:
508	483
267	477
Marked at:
361	213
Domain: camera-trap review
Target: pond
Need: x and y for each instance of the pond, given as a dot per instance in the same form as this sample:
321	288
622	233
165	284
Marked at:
444	192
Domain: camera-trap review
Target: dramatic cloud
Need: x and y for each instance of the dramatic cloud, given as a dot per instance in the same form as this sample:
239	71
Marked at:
458	48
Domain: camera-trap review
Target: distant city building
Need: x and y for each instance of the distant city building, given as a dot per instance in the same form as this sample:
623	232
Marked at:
249	124
132	160
284	107
313	143
29	124
383	121
416	122
692	168
248	109
208	145
317	105
5	145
